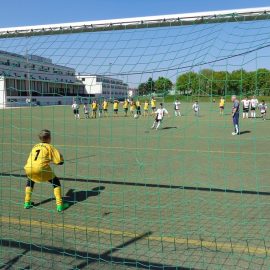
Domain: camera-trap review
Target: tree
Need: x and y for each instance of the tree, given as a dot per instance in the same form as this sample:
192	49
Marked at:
142	88
163	84
187	82
146	87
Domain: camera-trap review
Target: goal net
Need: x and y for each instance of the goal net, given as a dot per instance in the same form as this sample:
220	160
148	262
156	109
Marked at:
145	189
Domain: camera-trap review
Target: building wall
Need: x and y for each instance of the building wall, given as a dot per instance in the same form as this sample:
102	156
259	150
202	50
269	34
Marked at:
21	87
34	67
19	101
104	86
2	93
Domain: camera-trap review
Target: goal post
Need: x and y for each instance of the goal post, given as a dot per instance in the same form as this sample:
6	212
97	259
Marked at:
146	189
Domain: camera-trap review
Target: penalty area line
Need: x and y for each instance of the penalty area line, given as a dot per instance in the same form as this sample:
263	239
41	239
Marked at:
217	246
151	149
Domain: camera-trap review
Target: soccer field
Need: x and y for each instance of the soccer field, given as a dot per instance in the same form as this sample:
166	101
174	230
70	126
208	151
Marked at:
188	196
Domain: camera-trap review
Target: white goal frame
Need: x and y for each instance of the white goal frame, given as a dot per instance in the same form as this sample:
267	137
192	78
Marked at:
262	13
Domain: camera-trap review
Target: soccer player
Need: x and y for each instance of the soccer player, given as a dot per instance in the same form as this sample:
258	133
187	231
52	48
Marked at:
196	108
94	109
177	107
146	108
253	106
75	107
132	107
160	113
105	106
221	106
100	109
38	170
86	110
246	104
138	107
115	107
125	107
263	107
153	105
235	115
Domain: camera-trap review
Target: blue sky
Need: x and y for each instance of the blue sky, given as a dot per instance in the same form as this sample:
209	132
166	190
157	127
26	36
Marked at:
135	55
28	12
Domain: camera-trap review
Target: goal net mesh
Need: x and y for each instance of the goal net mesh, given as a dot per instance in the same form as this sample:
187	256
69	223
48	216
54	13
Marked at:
186	196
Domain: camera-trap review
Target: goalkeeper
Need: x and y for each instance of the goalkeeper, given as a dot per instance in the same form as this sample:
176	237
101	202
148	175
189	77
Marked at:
38	169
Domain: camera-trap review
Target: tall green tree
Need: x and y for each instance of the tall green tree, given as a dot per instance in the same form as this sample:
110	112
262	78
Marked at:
163	84
187	82
146	87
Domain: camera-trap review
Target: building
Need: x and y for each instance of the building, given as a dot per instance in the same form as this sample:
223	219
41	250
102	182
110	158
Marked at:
101	86
35	79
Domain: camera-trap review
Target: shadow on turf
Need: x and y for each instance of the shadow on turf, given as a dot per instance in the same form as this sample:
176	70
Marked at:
149	185
169	127
245	132
87	257
73	196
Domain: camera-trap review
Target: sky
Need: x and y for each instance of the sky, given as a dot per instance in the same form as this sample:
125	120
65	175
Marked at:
135	55
33	12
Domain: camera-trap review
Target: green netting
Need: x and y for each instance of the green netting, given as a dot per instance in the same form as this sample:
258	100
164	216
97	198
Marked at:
187	196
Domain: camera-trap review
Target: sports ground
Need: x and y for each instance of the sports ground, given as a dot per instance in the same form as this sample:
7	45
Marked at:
188	196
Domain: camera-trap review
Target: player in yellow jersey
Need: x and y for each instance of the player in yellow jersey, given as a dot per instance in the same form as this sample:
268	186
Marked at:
132	107
146	108
105	106
153	105
125	107
94	109
38	169
221	106
138	107
115	107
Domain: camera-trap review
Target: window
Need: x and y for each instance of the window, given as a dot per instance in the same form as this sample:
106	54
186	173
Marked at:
83	79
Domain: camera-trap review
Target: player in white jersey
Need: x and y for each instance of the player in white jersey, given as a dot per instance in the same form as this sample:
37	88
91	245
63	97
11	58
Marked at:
246	106
160	113
253	106
263	107
196	108
86	110
177	107
75	107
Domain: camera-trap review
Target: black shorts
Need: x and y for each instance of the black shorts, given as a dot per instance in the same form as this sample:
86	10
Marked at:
153	108
105	110
246	110
157	120
125	109
252	108
76	111
221	107
115	110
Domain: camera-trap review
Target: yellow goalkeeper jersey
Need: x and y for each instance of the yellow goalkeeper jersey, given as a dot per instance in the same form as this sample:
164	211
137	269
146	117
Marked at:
37	167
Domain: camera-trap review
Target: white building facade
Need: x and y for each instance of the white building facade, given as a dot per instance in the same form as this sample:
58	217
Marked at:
102	86
35	79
